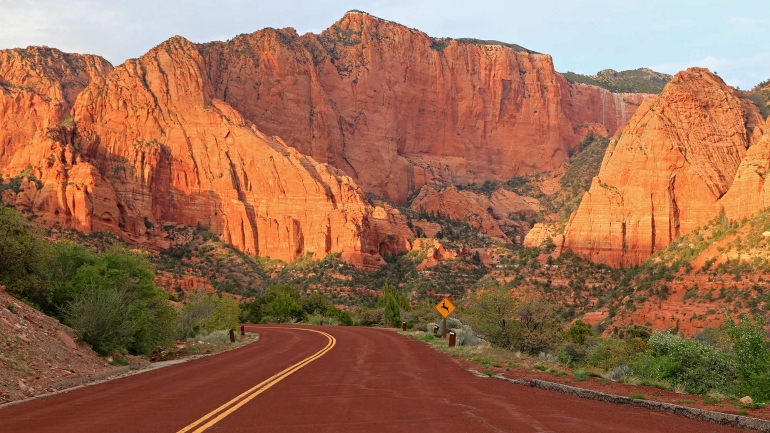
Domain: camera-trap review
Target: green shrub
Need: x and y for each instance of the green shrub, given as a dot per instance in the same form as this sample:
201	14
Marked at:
111	300
752	357
688	363
206	313
392	301
529	324
104	318
578	332
25	260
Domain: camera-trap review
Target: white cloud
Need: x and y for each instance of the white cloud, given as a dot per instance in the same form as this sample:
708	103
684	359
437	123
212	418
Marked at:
743	21
744	72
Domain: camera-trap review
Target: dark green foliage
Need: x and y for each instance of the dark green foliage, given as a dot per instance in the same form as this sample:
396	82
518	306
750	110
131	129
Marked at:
25	259
689	363
578	332
278	302
514	47
633	81
109	299
111	291
752	357
206	313
392	302
106	319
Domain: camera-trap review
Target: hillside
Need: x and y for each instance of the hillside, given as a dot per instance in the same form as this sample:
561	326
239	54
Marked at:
761	97
640	80
38	354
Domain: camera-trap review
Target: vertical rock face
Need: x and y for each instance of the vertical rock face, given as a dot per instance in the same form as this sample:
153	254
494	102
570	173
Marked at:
38	86
593	107
749	193
395	108
173	152
664	173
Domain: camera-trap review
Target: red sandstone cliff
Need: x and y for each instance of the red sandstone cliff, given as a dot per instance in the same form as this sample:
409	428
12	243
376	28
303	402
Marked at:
150	144
396	109
189	133
663	175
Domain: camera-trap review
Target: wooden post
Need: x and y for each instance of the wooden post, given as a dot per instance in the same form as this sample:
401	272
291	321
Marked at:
443	331
452	339
232	336
243	330
403	326
279	321
435	330
322	322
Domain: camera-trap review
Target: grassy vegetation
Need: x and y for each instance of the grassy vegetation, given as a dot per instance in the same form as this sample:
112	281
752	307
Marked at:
760	95
641	80
514	47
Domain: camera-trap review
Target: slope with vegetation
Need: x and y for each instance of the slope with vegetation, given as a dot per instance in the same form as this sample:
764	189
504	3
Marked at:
642	80
760	95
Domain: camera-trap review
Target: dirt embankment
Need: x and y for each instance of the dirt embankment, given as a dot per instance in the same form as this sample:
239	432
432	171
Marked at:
38	354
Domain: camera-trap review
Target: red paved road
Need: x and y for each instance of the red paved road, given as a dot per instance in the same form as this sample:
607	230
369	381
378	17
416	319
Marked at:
371	381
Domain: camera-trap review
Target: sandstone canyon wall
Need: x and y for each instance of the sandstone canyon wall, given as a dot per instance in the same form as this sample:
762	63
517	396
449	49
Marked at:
396	109
234	135
149	144
664	173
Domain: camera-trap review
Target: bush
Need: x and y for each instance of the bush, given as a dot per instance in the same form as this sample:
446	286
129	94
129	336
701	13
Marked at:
392	301
111	291
104	318
25	259
371	316
752	357
578	332
207	313
530	324
688	363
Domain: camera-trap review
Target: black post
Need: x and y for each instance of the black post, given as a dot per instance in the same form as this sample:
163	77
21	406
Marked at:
243	330
232	336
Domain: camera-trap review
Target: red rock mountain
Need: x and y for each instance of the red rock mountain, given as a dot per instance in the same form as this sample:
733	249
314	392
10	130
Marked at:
236	135
396	109
664	174
150	144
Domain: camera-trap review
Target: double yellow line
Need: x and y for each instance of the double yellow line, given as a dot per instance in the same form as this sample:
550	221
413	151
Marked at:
231	406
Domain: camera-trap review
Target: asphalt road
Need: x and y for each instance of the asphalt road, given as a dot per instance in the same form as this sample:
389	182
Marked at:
337	380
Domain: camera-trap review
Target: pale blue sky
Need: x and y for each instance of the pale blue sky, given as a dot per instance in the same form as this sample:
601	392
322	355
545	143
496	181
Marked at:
729	37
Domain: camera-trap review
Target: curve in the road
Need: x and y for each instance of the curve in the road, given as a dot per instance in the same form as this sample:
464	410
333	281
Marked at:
236	403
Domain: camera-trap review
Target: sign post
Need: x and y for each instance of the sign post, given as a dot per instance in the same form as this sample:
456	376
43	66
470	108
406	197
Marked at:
445	308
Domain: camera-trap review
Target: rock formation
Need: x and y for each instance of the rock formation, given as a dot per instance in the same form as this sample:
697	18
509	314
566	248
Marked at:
396	109
501	213
664	173
194	134
149	144
749	194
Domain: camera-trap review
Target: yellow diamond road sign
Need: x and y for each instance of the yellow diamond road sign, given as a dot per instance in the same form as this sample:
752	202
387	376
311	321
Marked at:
445	308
